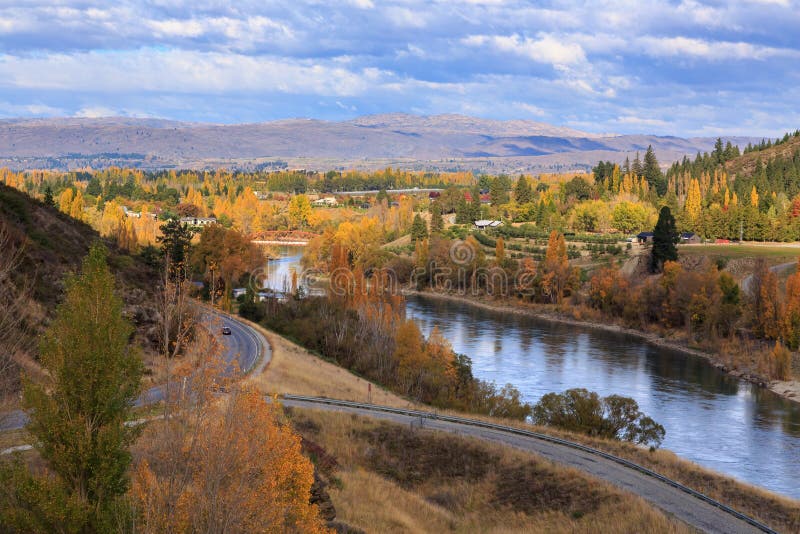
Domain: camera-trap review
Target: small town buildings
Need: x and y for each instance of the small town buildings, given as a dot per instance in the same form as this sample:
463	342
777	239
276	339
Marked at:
690	238
238	292
487	223
645	237
198	221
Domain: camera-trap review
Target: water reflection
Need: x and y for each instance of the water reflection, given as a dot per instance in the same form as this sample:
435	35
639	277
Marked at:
711	418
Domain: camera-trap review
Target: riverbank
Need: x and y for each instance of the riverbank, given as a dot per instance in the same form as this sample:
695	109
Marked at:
787	389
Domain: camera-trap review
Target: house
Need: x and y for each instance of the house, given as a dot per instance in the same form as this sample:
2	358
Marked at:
433	195
325	201
238	292
131	214
690	238
198	221
261	296
485	223
645	237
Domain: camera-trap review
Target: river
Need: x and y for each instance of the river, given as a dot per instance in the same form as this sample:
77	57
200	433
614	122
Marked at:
711	418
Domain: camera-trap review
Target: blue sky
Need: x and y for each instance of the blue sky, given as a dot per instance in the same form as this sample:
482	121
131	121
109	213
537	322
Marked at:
648	66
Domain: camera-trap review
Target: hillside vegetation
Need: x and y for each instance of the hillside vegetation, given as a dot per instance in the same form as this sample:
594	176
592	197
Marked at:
51	244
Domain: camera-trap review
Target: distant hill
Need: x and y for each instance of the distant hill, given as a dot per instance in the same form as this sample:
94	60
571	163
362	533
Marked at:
440	142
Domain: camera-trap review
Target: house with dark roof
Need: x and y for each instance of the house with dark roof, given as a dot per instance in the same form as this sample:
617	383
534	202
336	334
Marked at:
645	237
690	238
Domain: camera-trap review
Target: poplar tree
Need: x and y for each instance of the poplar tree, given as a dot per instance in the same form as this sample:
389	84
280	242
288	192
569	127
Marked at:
78	414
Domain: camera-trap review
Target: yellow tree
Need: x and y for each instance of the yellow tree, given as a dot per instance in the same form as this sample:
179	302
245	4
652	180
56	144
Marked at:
693	199
299	211
557	274
76	208
754	197
65	200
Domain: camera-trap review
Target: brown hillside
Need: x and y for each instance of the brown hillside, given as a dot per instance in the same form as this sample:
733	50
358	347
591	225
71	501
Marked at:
746	163
53	245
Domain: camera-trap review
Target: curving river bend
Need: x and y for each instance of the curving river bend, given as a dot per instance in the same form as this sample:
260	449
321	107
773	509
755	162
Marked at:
717	421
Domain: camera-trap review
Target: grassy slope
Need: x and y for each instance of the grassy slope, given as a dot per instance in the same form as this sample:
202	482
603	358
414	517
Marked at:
390	478
54	245
295	370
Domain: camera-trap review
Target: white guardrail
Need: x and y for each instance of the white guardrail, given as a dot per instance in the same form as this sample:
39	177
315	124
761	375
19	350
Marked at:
542	437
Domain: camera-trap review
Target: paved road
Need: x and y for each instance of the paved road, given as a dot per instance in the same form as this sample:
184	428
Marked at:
673	501
777	269
241	349
245	345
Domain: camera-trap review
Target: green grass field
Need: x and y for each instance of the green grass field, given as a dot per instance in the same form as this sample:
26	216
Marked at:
774	253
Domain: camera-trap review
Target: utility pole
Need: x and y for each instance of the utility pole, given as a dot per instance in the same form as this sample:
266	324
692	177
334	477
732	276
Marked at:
213	284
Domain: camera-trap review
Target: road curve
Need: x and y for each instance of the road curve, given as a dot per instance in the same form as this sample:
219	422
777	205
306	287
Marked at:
672	500
241	350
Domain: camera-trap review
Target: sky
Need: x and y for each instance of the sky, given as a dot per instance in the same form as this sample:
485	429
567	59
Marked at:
685	68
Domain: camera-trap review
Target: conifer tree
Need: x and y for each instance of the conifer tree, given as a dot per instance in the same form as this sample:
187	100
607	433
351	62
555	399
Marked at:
665	237
523	192
419	229
437	223
48	196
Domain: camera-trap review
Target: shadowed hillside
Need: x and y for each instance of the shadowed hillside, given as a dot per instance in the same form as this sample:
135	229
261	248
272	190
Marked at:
52	245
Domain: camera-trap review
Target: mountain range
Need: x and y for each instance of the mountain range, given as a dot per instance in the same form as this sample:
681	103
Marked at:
438	142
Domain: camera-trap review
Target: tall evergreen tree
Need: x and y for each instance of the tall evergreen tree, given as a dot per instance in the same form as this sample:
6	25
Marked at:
636	166
419	229
48	196
176	240
523	192
437	223
665	237
77	417
652	172
475	205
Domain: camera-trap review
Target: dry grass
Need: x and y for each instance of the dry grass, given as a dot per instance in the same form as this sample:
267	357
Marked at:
390	478
781	513
295	370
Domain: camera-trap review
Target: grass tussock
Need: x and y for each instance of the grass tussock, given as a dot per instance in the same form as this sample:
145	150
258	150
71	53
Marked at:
392	478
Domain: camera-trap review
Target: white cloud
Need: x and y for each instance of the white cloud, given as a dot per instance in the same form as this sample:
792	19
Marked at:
544	49
711	50
182	72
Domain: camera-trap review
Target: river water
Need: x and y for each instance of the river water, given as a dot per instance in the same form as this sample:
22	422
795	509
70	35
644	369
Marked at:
717	421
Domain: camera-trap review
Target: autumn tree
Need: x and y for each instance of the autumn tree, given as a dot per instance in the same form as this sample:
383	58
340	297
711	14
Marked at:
764	304
500	251
78	413
791	315
557	275
665	237
693	203
300	211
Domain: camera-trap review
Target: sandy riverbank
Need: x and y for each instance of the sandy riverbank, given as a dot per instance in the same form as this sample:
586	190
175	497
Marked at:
787	389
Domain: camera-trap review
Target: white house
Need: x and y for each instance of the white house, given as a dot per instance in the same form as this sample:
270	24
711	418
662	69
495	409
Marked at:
198	221
325	201
486	223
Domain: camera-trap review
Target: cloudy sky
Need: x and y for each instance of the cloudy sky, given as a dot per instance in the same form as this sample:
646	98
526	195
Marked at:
652	66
